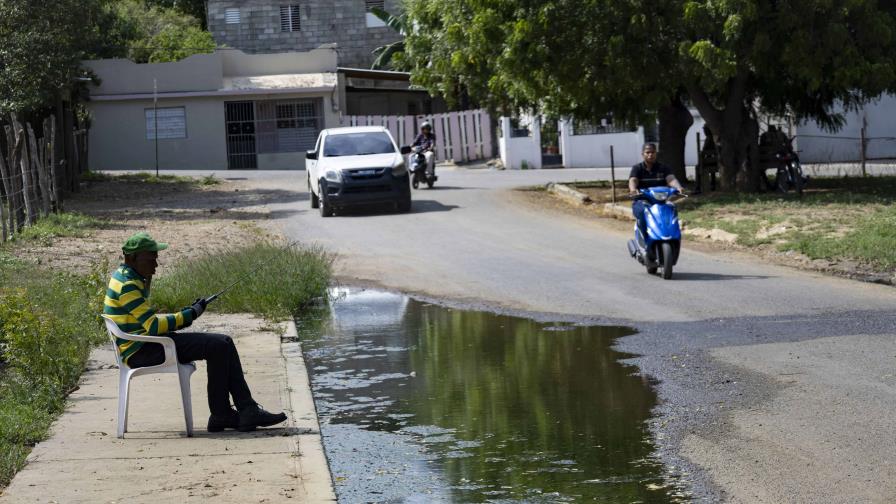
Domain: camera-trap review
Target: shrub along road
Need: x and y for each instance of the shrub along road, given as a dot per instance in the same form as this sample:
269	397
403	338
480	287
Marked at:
777	384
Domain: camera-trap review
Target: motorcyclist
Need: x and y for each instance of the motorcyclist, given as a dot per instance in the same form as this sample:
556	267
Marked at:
427	141
648	173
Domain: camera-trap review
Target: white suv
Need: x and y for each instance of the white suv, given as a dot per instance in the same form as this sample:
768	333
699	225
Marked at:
357	165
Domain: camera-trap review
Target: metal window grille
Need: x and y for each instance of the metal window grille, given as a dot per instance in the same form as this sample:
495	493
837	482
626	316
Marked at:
604	127
287	125
290	18
371	4
232	16
172	123
241	143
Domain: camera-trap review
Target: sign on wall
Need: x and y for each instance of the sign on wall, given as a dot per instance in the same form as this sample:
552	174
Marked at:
172	123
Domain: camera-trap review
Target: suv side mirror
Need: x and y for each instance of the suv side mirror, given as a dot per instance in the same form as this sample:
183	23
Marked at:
311	154
405	149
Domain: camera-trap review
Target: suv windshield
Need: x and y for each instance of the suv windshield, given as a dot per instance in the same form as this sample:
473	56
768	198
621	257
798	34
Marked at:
358	144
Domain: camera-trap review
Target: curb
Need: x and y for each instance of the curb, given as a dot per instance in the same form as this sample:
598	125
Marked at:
309	450
568	193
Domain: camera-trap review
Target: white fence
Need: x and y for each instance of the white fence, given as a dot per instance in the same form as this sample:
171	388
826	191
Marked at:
460	136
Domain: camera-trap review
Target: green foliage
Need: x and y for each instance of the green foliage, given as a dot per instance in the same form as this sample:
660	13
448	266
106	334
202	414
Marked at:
48	324
385	54
153	33
288	279
145	177
42	46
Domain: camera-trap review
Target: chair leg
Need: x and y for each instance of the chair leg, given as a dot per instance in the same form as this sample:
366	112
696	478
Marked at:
184	377
124	384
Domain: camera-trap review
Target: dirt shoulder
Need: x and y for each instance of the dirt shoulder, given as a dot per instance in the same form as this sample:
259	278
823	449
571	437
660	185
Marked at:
768	233
191	217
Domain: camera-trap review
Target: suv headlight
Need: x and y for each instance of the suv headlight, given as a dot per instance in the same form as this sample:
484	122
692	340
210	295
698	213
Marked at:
333	176
399	169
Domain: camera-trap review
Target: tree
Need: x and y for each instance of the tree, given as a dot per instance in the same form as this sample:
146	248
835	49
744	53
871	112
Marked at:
797	57
193	8
41	47
590	59
154	34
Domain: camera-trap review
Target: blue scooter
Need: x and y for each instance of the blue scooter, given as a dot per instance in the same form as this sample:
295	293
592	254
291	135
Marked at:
660	248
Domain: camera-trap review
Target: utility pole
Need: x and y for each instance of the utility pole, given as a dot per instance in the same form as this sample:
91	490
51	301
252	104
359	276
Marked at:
155	120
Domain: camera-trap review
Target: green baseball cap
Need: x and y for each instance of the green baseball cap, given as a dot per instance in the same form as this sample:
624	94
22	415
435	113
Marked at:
142	242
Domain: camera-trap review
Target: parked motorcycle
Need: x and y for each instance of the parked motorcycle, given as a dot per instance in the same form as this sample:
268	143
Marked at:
661	246
790	173
418	169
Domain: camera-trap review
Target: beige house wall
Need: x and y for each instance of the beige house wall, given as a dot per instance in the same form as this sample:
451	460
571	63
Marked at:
118	139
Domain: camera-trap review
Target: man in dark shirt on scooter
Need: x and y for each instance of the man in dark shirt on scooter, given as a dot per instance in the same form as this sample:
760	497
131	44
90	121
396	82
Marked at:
649	173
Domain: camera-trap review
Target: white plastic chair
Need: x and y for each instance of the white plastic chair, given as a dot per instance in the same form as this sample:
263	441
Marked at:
170	365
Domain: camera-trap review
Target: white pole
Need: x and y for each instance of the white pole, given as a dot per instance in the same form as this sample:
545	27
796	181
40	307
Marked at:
155	120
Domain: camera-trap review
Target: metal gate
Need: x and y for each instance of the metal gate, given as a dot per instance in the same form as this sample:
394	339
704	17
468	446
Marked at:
241	149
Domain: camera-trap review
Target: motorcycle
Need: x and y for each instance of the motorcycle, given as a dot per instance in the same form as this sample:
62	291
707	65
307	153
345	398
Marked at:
661	246
418	169
789	173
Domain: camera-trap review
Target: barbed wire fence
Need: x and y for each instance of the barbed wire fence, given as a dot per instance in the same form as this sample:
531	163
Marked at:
839	156
34	174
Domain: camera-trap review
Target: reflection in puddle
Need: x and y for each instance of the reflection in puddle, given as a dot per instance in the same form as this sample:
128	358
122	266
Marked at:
422	403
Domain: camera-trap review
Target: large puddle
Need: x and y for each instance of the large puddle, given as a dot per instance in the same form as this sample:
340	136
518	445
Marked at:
423	403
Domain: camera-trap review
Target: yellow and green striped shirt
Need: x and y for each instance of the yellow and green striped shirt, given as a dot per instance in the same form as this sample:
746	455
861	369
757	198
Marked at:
126	303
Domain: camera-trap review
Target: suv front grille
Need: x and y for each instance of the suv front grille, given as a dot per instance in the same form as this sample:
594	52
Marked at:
366	173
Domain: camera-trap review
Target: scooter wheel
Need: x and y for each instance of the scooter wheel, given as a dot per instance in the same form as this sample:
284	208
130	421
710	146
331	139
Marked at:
415	183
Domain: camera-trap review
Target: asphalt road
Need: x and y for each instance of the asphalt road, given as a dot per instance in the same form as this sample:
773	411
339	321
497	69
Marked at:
777	385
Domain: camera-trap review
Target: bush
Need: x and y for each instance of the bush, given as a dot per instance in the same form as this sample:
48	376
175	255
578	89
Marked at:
277	282
48	323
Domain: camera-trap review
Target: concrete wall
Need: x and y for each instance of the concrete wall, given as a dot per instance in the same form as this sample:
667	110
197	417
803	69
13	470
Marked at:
817	145
238	63
200	72
343	22
515	151
593	151
118	137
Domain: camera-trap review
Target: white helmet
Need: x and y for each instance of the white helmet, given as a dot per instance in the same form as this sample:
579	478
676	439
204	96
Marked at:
426	125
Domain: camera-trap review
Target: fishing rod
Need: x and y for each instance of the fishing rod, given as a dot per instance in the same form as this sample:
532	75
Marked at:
245	276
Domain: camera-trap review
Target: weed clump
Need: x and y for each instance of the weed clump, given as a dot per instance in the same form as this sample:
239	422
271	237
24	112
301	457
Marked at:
279	281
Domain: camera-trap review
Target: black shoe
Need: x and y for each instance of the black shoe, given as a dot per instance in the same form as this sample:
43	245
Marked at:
217	423
254	416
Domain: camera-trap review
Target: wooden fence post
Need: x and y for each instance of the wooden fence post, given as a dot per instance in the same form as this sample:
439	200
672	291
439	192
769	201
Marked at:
38	161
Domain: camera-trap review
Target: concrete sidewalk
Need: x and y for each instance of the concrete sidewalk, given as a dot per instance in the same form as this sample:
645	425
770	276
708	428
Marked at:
83	461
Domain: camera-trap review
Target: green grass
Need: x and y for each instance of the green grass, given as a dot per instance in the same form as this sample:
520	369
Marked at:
48	323
285	281
60	225
849	218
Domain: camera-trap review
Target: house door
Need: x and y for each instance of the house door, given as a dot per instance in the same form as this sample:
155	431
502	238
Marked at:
241	149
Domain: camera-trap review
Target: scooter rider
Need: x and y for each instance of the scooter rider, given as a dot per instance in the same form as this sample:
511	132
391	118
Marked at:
649	173
427	140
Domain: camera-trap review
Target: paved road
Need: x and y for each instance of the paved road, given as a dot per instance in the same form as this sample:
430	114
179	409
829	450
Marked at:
757	423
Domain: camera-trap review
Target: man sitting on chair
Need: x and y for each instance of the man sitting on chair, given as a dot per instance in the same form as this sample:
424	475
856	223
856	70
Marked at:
126	303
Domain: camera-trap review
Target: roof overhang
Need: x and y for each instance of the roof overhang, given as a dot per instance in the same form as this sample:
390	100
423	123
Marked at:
366	73
313	83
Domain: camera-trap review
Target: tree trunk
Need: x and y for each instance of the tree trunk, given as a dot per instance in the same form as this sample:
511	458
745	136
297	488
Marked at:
735	130
675	121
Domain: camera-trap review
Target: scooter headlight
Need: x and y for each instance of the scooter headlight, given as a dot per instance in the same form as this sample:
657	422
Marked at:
660	196
333	176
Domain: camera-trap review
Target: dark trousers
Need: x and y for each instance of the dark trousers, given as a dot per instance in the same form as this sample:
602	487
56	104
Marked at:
225	373
638	209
